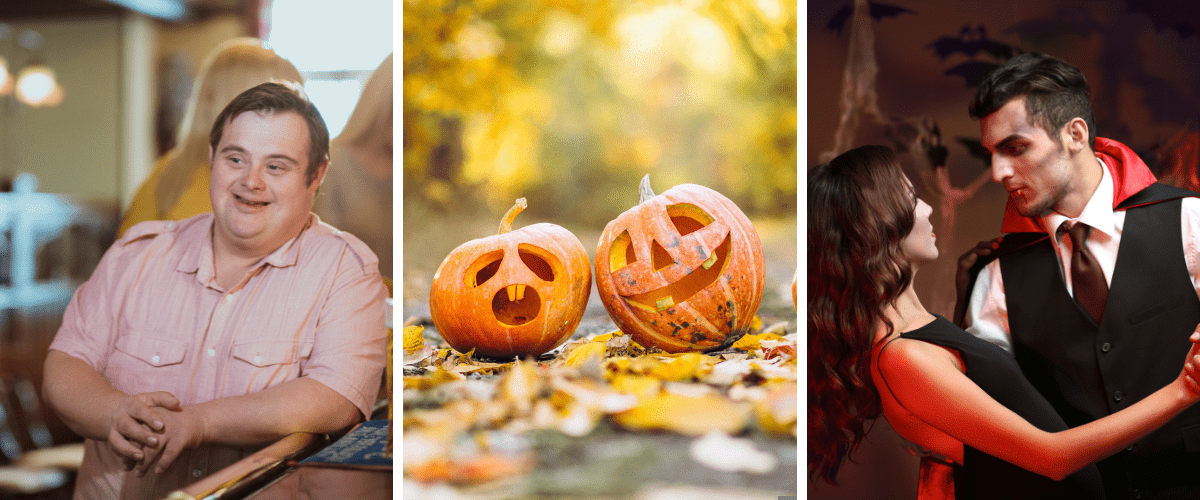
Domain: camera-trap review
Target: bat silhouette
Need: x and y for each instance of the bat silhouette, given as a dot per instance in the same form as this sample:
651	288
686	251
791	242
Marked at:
1183	17
1044	31
877	11
970	42
973	71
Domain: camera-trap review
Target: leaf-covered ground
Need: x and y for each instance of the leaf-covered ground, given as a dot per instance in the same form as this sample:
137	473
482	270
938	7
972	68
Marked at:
602	417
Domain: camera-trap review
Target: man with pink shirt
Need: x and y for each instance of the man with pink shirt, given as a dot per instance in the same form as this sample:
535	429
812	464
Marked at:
197	342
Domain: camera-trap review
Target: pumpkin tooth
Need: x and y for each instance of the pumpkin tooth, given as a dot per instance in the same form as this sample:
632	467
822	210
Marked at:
512	292
520	292
664	303
712	259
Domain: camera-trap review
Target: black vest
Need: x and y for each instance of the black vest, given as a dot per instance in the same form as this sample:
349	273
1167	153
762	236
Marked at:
1088	371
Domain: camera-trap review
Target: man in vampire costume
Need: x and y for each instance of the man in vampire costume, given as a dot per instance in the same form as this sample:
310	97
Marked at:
1099	325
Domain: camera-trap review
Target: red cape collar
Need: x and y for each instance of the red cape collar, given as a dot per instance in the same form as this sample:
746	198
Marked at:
1129	173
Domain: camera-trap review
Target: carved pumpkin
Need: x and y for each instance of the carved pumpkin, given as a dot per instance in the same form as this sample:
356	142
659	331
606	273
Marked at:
516	293
681	271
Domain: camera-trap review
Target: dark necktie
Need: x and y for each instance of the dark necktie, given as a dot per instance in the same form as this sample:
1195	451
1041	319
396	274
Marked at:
1091	291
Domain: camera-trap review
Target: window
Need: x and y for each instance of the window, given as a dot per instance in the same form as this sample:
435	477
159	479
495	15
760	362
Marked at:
335	45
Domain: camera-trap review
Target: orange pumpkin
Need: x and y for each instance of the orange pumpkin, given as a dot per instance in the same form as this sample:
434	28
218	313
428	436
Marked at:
516	293
795	277
681	271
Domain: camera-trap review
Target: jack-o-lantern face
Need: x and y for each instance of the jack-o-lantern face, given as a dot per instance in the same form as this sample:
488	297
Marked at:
682	270
516	293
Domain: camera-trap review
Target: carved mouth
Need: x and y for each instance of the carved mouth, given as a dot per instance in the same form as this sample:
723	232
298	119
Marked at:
683	289
515	305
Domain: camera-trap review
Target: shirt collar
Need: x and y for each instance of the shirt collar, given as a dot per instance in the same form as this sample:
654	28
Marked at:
198	254
1097	213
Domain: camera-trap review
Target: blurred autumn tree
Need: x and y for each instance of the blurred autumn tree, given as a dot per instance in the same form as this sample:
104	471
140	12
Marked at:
570	102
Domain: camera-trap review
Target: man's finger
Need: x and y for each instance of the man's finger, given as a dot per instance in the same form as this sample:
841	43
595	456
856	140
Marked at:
137	432
145	415
125	449
151	456
169	453
163	399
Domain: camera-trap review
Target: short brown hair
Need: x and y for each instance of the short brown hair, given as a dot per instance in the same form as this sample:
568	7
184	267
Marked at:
1055	92
279	97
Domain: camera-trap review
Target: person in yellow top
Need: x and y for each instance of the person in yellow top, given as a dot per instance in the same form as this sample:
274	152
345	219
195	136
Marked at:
178	186
357	195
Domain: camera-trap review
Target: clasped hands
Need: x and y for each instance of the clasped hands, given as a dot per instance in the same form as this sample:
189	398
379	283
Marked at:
150	430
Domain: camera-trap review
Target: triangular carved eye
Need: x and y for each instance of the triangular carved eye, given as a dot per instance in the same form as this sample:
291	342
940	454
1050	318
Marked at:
660	256
484	268
621	254
688	218
535	259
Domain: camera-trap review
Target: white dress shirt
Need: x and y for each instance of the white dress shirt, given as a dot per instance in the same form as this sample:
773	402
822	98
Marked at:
987	310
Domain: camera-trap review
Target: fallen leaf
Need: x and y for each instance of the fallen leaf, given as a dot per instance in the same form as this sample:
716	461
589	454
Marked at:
692	416
642	387
719	451
438	377
520	386
776	409
415	347
475	469
582	353
685	367
752	341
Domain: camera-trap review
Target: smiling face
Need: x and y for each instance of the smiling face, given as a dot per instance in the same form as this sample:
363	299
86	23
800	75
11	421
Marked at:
257	186
1032	165
681	271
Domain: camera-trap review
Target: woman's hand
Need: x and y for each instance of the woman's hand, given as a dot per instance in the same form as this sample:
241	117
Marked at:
963	274
1189	378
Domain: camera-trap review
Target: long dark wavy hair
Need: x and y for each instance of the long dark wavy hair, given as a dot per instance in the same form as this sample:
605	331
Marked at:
859	211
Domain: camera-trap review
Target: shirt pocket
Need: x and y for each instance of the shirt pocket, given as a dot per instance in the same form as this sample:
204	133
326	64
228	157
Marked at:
264	353
149	363
152	350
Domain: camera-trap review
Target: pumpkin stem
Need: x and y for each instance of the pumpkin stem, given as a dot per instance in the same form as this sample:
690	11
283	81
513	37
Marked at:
644	190
507	221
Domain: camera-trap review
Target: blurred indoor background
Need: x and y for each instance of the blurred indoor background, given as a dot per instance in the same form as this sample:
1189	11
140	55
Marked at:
92	93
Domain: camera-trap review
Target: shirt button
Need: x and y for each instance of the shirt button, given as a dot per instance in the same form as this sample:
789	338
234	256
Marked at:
170	225
229	298
1106	347
1117	395
258	359
197	473
155	358
1137	493
212	352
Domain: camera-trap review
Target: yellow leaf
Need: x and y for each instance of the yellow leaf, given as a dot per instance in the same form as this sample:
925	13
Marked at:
778	412
751	341
642	387
692	416
520	386
580	355
414	340
415	347
756	324
685	367
435	379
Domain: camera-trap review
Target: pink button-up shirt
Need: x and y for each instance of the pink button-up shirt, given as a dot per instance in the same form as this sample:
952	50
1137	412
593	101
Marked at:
153	318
